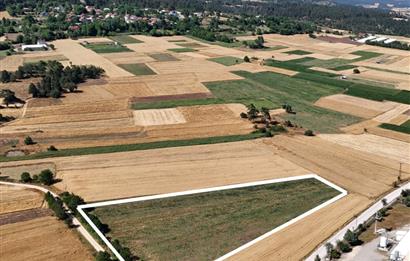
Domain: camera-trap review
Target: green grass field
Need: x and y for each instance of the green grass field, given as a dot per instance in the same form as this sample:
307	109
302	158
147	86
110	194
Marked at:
133	147
163	57
227	60
137	69
298	52
182	50
107	48
405	127
208	225
124	39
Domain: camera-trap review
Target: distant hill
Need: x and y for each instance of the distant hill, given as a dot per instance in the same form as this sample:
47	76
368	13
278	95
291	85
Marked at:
382	3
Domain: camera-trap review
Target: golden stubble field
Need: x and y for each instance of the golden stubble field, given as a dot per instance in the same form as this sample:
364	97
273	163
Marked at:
367	175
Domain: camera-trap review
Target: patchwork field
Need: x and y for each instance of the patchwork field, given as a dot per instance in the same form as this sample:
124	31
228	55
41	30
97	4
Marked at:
208	225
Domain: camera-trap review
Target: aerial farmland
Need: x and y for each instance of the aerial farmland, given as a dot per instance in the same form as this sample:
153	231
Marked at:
187	149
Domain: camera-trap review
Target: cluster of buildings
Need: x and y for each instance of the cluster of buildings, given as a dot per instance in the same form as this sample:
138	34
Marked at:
374	38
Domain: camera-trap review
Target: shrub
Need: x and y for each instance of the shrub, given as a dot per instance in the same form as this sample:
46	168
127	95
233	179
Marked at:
352	238
343	246
356	71
406	201
102	256
277	128
35	178
52	148
309	133
244	115
25	177
334	254
28	141
46	177
246	59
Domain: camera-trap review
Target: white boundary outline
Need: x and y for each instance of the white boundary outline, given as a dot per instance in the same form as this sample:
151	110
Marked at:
197	191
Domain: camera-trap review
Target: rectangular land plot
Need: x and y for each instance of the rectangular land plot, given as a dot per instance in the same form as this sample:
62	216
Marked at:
206	224
125	39
163	57
298	52
107	48
227	60
137	69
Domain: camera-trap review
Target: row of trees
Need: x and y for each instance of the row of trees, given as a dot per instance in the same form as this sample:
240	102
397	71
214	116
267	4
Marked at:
46	177
394	45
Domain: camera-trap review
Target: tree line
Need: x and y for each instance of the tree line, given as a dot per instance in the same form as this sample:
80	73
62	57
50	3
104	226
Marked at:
55	78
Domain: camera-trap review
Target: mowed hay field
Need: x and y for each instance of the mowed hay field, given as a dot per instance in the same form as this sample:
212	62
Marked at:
44	238
17	198
355	106
208	225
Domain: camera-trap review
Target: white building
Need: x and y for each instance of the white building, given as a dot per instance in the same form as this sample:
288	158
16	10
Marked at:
401	252
40	44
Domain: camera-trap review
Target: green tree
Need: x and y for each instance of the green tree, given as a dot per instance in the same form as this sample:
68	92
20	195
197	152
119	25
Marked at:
25	177
46	177
246	59
4	76
28	141
343	246
309	133
8	96
351	237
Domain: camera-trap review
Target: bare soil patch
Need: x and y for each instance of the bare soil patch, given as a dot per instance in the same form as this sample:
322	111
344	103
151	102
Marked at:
24	215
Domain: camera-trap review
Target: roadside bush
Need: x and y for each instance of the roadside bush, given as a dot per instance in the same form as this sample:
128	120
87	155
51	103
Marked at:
56	205
317	258
46	177
28	141
343	246
102	256
334	254
71	200
25	177
125	252
352	238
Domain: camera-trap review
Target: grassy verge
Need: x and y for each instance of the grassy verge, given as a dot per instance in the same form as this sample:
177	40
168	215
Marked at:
405	127
298	52
137	69
208	225
133	147
124	39
227	60
107	48
181	50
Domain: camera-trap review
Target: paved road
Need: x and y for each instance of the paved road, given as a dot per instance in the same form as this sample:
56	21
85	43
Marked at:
366	215
80	228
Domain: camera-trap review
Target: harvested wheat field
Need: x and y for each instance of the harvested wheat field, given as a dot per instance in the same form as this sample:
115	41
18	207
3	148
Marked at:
17	199
359	172
356	106
111	122
34	240
169	170
80	55
399	80
14	171
385	147
158	117
392	114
